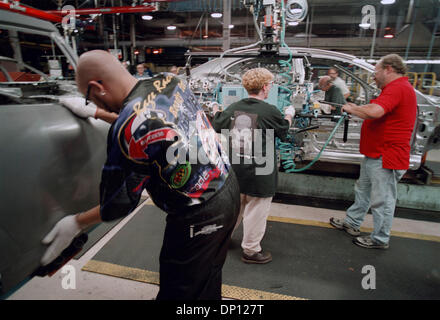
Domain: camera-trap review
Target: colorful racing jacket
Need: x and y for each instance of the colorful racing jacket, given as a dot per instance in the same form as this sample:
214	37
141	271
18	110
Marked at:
162	142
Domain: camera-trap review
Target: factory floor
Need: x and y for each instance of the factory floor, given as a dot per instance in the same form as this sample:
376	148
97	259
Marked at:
95	286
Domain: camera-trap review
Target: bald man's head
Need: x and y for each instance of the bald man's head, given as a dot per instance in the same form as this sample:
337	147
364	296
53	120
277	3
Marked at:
97	65
325	83
105	78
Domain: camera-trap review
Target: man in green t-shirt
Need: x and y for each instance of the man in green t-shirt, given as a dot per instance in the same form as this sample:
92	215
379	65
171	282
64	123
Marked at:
332	94
253	125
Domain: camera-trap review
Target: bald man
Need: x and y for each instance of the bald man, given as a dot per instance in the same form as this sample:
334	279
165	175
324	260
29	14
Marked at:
94	66
332	93
148	148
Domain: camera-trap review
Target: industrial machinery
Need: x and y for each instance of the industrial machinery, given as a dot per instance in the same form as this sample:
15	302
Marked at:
314	134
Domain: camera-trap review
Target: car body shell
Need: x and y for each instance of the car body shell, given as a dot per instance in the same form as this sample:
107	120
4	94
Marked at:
51	160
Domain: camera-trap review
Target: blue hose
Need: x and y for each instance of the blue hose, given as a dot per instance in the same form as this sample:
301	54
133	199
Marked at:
287	149
286	64
287	158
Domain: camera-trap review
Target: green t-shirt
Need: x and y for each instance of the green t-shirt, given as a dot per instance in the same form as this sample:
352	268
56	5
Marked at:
334	94
253	125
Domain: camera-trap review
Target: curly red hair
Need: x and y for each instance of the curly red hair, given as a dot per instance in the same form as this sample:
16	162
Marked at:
253	80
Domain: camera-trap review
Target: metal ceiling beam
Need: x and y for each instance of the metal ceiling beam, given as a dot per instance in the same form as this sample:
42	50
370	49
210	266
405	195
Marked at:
106	10
29	11
353	42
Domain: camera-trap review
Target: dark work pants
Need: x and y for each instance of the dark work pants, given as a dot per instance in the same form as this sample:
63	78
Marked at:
191	267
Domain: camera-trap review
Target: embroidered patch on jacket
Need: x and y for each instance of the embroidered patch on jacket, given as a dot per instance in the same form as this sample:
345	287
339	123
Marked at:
181	175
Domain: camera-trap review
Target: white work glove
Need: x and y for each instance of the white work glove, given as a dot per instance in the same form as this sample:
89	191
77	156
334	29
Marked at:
79	107
326	108
60	238
289	111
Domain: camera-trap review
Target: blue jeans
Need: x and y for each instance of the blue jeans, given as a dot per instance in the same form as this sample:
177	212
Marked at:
375	188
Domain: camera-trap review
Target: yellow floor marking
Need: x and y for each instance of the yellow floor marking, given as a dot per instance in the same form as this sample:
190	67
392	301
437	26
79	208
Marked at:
115	270
369	230
239	293
146	276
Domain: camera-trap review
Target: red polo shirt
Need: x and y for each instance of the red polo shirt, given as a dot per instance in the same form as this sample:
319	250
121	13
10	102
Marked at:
389	136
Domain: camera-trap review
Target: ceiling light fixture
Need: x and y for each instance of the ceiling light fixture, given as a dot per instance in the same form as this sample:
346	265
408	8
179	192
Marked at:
389	36
216	15
387	1
231	26
293	23
171	27
147	17
364	25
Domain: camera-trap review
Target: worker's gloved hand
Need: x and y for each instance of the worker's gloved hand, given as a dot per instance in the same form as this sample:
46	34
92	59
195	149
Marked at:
289	111
59	238
79	107
326	108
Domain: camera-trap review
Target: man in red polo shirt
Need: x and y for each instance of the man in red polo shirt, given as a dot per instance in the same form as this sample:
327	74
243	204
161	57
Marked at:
385	143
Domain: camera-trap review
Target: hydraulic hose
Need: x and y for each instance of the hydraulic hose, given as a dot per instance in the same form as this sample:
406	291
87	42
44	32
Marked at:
287	158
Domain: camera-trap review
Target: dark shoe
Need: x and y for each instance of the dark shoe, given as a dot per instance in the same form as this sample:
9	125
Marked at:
367	242
342	225
258	257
